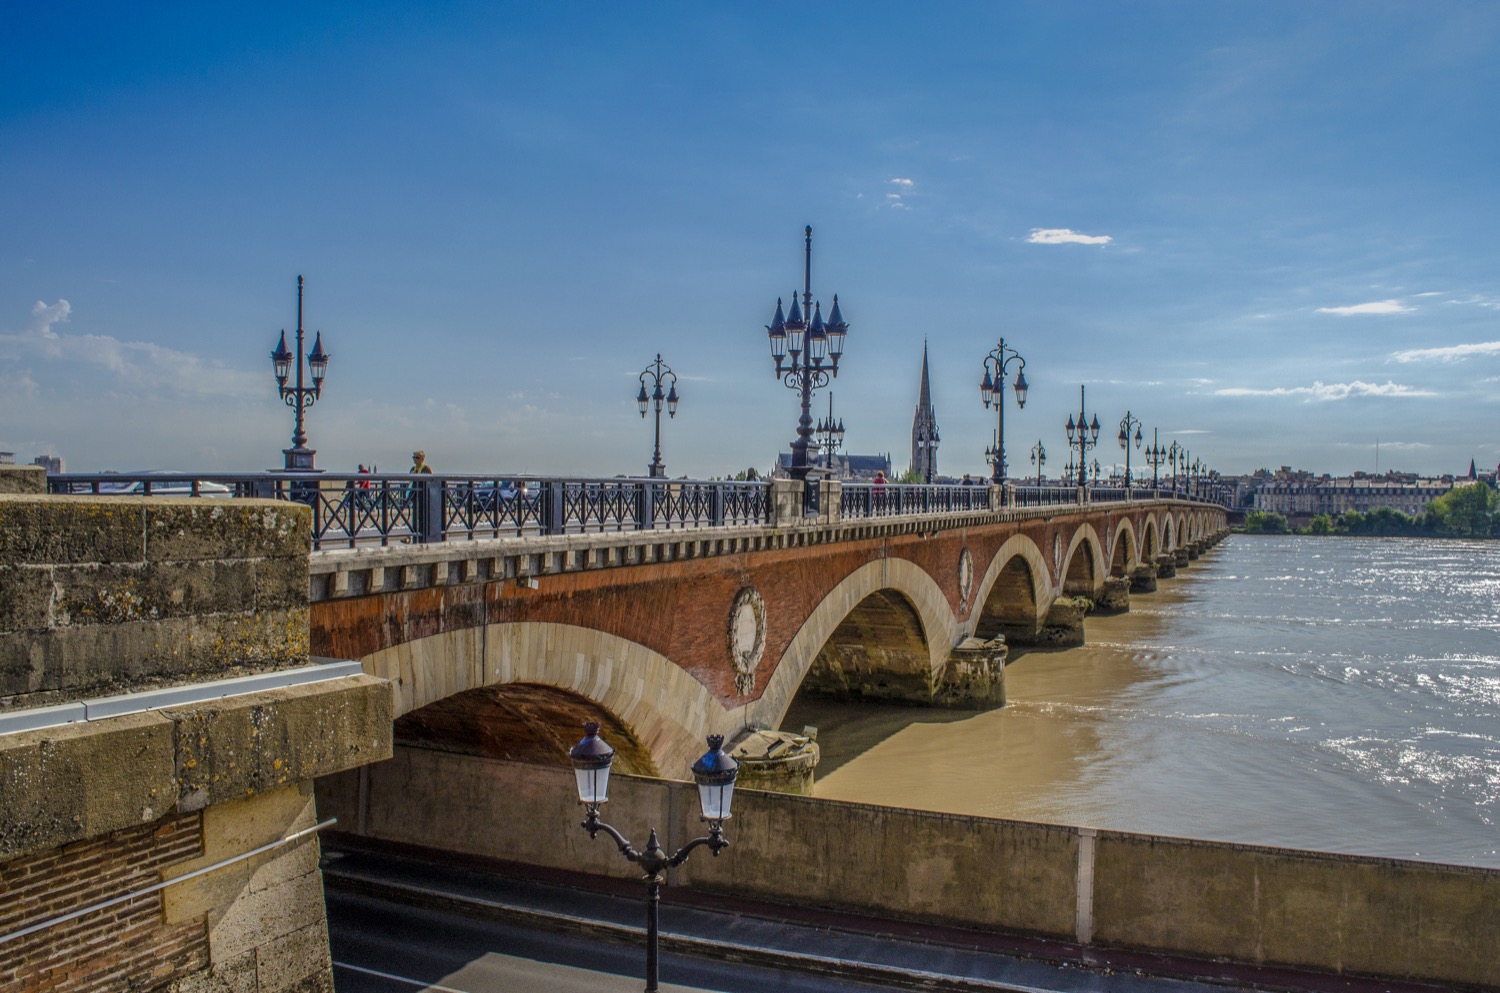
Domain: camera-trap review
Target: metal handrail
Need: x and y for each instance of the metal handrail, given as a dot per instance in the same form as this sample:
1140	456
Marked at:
356	509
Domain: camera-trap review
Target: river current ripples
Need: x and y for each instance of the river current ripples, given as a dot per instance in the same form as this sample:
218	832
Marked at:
1340	694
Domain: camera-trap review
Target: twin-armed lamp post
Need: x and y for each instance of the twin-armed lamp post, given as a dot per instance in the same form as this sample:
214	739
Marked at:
832	433
714	772
659	373
1038	459
299	458
992	390
814	347
1126	423
1084	435
1155	457
1174	455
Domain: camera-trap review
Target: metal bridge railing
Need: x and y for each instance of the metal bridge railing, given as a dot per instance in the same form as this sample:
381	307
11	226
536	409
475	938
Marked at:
356	509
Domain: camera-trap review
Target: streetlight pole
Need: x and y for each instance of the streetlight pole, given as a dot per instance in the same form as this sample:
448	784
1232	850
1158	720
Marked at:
992	390
1156	456
714	772
1084	435
1126	423
1173	454
832	433
299	458
659	373
815	348
1038	459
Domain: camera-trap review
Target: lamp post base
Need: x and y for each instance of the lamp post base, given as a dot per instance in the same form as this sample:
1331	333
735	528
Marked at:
299	460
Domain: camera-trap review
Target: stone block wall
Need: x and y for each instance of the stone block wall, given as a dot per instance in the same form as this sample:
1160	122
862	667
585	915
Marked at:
102	595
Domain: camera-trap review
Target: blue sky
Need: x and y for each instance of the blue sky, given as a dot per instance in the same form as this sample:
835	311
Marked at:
1265	228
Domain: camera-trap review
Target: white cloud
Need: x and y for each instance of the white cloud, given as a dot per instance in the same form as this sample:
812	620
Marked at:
137	366
1448	353
1192	431
1065	236
1328	391
1373	307
905	184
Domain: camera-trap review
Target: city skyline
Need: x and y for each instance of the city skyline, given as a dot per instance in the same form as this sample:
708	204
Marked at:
1260	228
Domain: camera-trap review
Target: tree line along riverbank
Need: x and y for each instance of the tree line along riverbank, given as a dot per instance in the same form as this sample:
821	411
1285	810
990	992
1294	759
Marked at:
1471	511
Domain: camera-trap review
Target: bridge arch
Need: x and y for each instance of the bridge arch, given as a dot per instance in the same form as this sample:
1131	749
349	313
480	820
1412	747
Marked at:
1083	570
656	702
1125	557
1182	529
1167	534
1150	539
1016	589
888	586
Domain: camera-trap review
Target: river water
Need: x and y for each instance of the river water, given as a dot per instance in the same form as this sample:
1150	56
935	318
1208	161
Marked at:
1340	694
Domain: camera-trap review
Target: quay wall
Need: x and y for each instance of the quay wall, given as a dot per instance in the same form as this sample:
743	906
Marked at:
1340	914
161	724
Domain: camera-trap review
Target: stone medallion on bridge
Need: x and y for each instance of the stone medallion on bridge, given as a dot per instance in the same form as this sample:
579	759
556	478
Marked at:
965	579
747	637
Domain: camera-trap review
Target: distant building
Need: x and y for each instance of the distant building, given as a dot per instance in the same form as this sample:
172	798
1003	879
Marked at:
7	458
1302	494
924	430
52	463
855	468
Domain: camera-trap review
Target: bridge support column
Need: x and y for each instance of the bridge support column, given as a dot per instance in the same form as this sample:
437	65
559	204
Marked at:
1062	628
788	506
1166	566
1180	557
974	678
1143	579
1195	549
1114	596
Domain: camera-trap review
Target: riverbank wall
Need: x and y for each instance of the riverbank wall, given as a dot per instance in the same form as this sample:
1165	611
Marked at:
1087	889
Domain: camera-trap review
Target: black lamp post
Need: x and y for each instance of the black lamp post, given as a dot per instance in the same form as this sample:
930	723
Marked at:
714	772
299	457
1195	473
814	348
1174	454
1126	423
992	390
1038	459
1156	456
1083	436
659	373
832	433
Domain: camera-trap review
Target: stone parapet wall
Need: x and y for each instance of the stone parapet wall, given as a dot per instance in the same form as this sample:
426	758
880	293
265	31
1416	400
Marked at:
23	479
1388	919
101	595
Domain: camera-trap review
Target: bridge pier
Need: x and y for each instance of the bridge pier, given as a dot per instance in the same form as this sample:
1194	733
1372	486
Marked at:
1061	628
1143	579
1166	566
1180	557
974	678
1114	596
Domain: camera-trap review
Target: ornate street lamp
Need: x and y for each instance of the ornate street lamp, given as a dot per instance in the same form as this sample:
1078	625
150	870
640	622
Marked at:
1083	436
814	348
714	772
659	374
992	390
832	433
1174	455
299	457
1126	423
1038	459
1156	456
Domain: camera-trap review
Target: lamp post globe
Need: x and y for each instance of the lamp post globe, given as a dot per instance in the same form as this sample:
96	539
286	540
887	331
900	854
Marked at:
814	347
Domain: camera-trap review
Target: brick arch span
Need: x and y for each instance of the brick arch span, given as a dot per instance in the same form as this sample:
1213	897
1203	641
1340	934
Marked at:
657	703
1126	551
1150	538
878	652
1084	570
1168	533
895	584
1181	531
1016	589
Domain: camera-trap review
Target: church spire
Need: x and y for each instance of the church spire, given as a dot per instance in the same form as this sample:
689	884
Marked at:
924	429
924	398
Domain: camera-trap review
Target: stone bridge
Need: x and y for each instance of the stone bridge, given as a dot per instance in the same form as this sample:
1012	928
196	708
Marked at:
501	648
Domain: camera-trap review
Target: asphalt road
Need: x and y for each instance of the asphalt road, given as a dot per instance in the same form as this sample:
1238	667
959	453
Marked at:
384	947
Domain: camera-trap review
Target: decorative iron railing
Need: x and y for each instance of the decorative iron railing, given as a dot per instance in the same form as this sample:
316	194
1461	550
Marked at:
364	509
350	509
